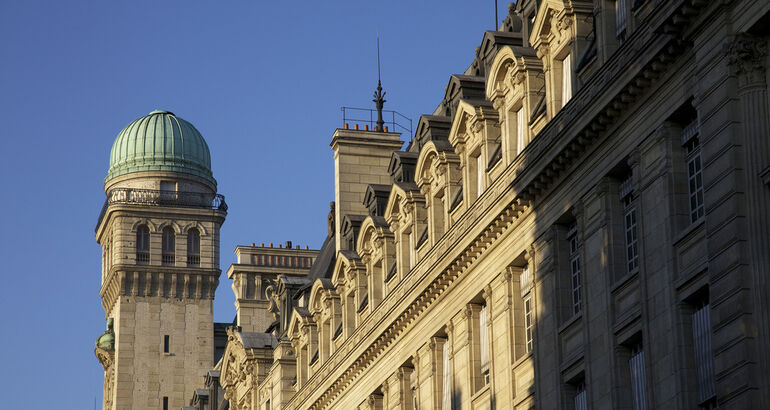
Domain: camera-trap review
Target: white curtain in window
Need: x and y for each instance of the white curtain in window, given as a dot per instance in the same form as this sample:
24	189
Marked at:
620	16
636	363
580	398
566	82
484	339
704	359
521	133
480	174
446	391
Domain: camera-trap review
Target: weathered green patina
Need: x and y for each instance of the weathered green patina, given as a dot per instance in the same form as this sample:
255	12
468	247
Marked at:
107	340
160	141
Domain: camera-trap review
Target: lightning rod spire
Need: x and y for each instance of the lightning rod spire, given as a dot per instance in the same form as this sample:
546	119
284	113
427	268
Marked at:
379	100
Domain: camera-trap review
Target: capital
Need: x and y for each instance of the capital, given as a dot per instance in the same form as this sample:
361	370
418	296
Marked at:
746	55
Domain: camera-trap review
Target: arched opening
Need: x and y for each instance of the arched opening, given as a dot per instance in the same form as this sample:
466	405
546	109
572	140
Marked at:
142	245
193	247
169	244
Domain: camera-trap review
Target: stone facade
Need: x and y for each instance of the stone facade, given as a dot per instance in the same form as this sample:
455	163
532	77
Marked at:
161	298
581	223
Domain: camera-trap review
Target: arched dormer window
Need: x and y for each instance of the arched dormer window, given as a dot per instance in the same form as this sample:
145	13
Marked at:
193	247
438	176
169	244
142	245
516	88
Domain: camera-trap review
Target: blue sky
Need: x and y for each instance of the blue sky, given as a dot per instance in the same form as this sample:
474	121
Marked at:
263	82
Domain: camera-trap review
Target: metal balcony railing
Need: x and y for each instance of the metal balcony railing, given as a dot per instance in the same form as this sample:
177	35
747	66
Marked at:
193	260
153	197
167	259
142	258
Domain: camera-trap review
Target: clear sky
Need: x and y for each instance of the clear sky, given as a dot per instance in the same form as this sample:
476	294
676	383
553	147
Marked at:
262	80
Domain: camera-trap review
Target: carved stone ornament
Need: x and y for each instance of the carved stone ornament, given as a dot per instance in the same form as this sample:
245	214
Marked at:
499	104
510	74
565	22
747	55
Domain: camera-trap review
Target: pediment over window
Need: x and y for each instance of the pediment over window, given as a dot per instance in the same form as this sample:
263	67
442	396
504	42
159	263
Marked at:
373	234
468	122
509	68
402	202
553	18
322	290
347	263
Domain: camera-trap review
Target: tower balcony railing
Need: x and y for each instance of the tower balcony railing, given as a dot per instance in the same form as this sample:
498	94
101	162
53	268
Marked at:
154	197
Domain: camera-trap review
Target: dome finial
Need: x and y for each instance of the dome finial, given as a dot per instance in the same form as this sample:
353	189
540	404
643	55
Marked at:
161	112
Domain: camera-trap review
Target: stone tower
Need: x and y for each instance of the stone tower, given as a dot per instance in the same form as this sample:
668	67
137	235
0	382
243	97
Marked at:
159	232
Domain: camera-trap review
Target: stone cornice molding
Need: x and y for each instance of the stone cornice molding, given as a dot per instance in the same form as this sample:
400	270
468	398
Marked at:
507	199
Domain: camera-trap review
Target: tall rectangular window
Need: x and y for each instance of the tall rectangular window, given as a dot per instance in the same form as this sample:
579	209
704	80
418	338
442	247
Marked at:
528	323
479	175
484	344
574	268
694	176
525	283
142	245
629	224
566	81
636	366
165	403
704	358
521	131
166	343
446	390
413	388
579	399
620	18
168	248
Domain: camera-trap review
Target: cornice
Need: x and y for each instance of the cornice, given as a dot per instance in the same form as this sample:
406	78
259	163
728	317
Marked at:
610	92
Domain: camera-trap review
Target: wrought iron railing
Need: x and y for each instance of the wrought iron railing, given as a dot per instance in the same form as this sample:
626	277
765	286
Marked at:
367	116
193	260
154	197
167	259
142	257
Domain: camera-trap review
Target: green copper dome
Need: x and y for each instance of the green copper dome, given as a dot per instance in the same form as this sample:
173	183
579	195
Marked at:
107	340
160	141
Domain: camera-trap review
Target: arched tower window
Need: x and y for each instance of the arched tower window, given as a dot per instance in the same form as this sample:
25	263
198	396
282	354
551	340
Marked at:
142	245
193	247
167	255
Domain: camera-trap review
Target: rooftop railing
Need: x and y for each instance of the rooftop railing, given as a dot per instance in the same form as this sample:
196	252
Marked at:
396	121
153	197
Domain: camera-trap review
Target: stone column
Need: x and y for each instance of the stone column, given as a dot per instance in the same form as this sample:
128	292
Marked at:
602	256
727	220
747	58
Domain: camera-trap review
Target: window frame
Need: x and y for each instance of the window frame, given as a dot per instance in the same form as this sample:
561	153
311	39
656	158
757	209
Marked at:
573	243
193	247
142	245
168	246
